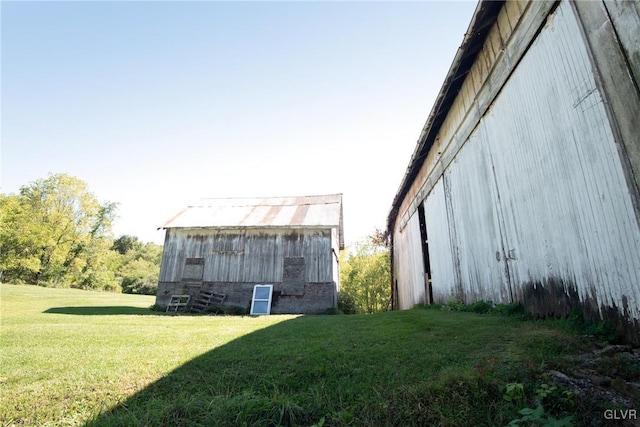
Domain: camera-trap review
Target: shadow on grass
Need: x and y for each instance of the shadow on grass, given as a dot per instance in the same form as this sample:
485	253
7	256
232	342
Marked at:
101	310
260	378
331	371
410	368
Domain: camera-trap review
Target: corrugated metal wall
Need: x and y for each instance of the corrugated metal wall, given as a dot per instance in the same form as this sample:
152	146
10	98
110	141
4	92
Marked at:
248	255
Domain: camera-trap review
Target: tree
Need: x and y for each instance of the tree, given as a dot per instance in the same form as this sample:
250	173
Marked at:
139	265
364	275
14	259
56	232
380	238
125	243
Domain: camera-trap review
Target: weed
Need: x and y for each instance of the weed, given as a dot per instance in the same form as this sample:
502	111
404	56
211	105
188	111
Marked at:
232	310
424	306
515	394
157	308
456	305
602	329
484	307
320	423
620	365
538	416
511	309
334	310
481	307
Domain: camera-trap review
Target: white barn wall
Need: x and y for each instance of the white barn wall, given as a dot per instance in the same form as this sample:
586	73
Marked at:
475	224
568	213
613	56
529	186
409	262
497	59
443	270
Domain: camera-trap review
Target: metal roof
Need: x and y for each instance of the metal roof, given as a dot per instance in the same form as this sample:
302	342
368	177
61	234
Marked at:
323	211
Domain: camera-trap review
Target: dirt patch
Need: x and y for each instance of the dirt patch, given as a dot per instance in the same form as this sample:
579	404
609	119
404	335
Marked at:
606	385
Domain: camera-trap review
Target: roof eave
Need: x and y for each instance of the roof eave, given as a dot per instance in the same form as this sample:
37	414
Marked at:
251	227
483	17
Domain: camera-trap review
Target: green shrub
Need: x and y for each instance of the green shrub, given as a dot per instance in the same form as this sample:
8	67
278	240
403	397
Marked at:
156	307
334	310
456	305
602	329
481	307
484	307
237	310
510	309
347	303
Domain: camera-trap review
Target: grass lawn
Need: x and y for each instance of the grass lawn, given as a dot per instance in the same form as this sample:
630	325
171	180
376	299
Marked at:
72	357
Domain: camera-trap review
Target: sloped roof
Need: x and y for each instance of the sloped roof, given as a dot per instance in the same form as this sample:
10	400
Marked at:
323	211
484	17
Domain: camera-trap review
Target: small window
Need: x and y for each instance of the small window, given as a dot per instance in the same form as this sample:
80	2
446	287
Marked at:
193	269
293	272
261	301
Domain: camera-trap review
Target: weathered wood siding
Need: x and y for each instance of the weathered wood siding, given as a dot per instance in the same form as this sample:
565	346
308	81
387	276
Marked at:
530	190
248	255
300	263
336	259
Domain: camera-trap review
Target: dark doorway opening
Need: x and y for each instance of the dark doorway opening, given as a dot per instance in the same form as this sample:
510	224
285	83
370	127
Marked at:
428	292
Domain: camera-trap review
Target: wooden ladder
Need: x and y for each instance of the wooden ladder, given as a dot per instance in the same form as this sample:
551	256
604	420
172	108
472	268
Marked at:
178	303
205	298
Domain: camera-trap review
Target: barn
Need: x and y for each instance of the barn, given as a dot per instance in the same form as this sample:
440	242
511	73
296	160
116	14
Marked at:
523	185
281	253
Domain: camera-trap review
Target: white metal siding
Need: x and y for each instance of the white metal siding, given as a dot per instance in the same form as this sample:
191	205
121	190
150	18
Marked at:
443	273
474	223
407	251
626	19
530	185
566	204
537	194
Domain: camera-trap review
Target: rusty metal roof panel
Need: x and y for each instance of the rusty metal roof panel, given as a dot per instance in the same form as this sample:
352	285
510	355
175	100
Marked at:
280	212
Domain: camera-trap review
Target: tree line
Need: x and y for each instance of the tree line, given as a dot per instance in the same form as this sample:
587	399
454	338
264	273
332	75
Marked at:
55	232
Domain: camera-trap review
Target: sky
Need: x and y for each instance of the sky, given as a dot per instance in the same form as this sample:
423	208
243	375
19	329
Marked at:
155	104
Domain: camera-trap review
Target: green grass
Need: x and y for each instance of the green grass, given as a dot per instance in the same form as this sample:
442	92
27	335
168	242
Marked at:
72	357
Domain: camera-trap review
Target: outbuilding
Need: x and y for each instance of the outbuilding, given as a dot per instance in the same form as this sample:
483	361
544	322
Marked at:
523	186
239	248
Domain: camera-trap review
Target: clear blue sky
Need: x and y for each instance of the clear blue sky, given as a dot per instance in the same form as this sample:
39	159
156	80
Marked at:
154	104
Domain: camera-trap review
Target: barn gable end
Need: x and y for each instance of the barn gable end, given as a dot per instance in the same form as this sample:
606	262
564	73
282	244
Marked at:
230	245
